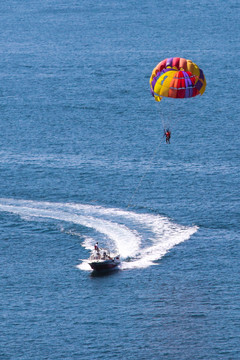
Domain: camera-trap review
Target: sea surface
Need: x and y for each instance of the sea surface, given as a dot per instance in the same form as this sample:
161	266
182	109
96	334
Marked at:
83	159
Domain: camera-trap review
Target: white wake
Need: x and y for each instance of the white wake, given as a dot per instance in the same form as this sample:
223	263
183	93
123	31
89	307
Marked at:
140	239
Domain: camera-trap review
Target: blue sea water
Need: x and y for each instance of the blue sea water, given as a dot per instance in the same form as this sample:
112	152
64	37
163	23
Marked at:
83	159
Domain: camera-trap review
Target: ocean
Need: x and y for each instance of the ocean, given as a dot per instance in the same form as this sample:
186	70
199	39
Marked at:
83	159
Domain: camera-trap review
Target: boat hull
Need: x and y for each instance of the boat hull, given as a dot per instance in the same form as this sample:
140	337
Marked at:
104	265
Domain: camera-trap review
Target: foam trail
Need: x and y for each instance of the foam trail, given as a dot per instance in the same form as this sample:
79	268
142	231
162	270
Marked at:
156	252
140	238
119	233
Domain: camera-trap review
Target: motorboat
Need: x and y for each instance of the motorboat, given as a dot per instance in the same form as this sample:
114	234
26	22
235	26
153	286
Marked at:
102	260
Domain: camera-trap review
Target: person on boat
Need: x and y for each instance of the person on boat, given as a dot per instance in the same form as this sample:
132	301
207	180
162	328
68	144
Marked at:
167	134
96	247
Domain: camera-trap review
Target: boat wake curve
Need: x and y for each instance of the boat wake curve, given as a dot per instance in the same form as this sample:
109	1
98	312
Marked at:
141	239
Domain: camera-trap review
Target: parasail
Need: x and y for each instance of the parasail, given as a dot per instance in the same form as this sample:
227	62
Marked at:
177	78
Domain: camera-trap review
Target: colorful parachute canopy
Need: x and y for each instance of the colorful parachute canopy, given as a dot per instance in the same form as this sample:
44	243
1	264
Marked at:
177	78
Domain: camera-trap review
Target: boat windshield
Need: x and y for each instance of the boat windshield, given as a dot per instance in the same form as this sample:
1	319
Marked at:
101	254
